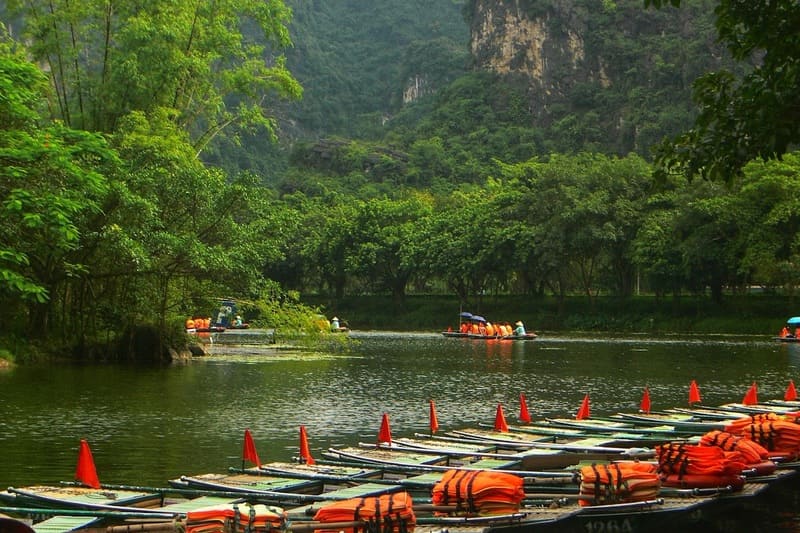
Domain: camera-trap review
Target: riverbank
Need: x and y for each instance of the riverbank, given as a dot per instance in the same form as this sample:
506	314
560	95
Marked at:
754	314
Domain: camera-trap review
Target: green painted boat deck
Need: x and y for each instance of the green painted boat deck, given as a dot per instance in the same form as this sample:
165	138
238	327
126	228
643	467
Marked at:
365	489
63	524
495	464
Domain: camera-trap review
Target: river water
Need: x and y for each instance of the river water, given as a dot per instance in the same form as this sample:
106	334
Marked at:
146	425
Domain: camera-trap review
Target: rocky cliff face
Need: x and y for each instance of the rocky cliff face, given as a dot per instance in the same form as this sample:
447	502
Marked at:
611	57
542	41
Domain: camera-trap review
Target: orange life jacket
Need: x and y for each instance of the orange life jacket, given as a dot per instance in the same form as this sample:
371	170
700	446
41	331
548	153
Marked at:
479	492
236	517
752	451
780	437
603	484
682	459
386	513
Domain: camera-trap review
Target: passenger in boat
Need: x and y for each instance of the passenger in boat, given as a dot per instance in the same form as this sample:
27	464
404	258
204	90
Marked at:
520	329
785	332
335	324
464	327
489	329
797	331
237	322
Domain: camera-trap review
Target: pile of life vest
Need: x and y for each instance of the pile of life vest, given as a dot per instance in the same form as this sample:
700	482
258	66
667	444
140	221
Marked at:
779	434
755	456
387	513
479	492
228	518
693	466
622	482
198	323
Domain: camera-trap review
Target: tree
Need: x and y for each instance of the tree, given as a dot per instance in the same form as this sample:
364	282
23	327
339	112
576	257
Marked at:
192	58
749	117
383	236
52	181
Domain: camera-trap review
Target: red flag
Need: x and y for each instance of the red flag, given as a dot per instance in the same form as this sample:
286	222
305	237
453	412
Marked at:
791	393
385	433
500	420
583	412
85	471
694	393
751	396
249	450
524	415
434	420
645	405
305	453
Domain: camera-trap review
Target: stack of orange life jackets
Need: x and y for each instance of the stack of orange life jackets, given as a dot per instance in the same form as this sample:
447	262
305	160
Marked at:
755	456
620	482
479	492
228	518
779	434
693	466
387	513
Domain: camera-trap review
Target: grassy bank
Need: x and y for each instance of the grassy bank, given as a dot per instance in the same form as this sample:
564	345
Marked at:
750	314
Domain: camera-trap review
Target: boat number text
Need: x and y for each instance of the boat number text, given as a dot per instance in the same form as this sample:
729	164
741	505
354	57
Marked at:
608	526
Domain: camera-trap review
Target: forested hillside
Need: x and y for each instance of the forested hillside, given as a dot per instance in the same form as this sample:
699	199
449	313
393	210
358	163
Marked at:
360	62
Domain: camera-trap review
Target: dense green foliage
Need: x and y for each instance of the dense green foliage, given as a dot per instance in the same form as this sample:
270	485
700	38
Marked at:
743	117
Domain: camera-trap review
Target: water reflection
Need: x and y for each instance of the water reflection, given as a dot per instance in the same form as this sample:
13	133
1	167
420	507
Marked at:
147	425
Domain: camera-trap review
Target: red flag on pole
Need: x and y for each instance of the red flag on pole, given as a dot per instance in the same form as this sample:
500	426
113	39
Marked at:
385	433
500	420
583	412
791	393
645	405
751	396
524	415
85	471
249	449
694	393
305	453
434	420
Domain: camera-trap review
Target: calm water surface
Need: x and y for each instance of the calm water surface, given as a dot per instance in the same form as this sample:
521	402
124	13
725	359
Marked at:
146	425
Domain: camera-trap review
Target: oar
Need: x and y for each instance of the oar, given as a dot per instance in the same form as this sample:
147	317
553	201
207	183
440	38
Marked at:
261	495
89	512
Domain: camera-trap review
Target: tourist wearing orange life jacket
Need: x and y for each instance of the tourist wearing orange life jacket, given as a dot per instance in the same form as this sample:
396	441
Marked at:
464	327
797	332
489	329
474	329
785	332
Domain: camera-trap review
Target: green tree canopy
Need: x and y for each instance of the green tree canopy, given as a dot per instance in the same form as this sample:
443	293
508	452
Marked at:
194	59
749	117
